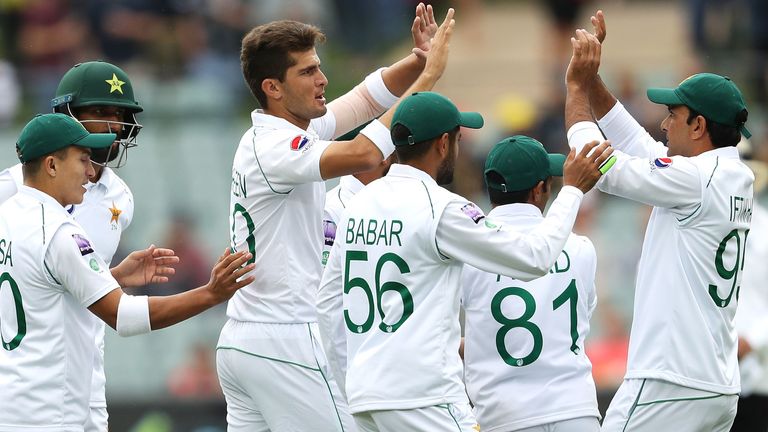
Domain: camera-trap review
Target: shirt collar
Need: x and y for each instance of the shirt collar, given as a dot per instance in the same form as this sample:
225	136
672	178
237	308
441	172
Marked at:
518	213
729	152
107	175
41	196
400	170
351	184
261	119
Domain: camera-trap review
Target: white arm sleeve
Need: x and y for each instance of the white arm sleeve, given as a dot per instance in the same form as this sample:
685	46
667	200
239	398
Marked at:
330	311
627	135
524	256
133	315
676	185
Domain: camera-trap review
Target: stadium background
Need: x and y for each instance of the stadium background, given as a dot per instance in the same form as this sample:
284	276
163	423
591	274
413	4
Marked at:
507	61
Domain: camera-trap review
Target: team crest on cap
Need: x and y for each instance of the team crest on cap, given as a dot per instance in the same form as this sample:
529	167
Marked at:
662	162
115	84
299	142
473	212
83	244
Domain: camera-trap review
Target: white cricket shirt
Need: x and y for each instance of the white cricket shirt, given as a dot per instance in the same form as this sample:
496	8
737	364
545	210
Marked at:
276	210
50	275
693	253
329	307
397	261
524	356
106	211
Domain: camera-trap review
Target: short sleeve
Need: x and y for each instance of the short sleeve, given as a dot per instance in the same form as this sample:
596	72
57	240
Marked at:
71	261
289	158
8	185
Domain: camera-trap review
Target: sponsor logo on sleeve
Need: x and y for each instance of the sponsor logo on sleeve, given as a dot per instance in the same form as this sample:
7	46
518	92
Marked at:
664	162
83	244
473	212
299	142
329	229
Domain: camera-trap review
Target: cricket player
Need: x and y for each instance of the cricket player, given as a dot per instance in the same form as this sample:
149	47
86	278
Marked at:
329	307
524	360
51	281
397	261
682	371
100	96
277	200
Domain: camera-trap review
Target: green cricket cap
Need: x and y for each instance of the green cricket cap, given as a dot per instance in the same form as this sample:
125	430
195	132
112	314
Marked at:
428	115
96	83
715	97
47	133
520	162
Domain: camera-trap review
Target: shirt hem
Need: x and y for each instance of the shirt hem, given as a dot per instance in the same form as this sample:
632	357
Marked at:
684	381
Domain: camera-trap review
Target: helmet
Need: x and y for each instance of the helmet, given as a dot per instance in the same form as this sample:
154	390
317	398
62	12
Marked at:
98	83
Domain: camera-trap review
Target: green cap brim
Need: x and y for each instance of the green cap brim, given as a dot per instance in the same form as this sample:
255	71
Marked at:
556	162
664	96
96	140
471	120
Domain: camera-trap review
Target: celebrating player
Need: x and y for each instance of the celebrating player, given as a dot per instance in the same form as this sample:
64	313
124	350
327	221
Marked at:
682	371
397	261
276	209
53	278
100	96
525	366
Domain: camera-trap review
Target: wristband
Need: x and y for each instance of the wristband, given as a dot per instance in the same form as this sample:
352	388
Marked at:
133	315
379	134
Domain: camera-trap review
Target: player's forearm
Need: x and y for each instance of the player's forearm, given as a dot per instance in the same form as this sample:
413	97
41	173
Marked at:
600	98
402	74
577	107
165	311
425	82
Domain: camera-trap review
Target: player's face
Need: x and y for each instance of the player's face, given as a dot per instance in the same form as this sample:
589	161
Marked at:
103	119
72	173
304	88
678	131
445	172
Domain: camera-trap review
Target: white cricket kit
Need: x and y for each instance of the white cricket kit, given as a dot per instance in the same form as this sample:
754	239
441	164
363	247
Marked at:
524	341
397	261
329	306
106	211
752	315
49	275
693	253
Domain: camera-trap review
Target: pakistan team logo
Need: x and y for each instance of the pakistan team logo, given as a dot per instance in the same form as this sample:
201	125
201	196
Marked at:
94	265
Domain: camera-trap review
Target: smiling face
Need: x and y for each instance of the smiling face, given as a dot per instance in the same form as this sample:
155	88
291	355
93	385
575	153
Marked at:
301	96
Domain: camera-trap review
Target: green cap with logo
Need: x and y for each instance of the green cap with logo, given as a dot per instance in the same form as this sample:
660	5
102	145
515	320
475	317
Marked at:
428	115
47	133
519	163
96	83
715	97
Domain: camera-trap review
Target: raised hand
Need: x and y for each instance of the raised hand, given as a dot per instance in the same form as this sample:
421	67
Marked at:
423	30
585	60
598	24
142	267
225	274
583	170
437	57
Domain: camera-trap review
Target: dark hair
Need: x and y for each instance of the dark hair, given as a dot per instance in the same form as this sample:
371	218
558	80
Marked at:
32	168
513	197
266	50
407	153
721	135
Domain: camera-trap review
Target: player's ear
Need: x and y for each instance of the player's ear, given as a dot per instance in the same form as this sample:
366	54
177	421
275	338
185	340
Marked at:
699	127
49	165
272	88
443	144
